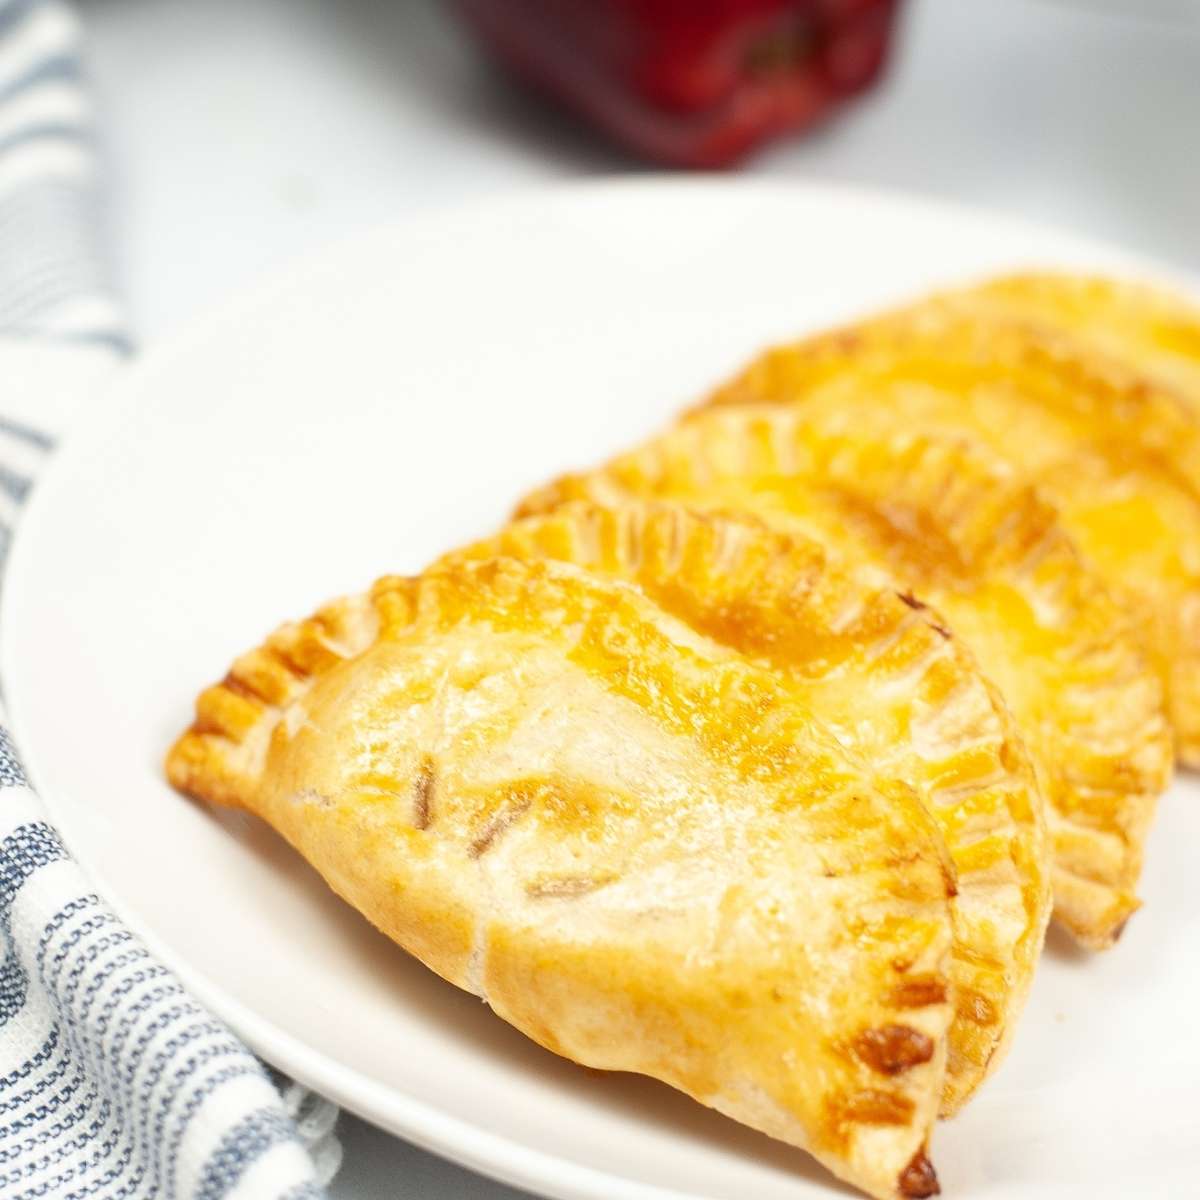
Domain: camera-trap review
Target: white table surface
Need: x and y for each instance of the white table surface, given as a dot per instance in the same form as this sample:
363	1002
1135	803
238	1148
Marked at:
245	132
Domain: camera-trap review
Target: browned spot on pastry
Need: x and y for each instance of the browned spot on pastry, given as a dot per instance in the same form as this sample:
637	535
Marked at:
290	667
977	1007
500	823
239	687
891	1049
1120	929
950	879
422	794
291	662
919	991
566	886
940	629
872	1106
919	1179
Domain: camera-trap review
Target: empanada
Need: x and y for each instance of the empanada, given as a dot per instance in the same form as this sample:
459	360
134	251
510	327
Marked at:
1148	328
952	524
895	690
1118	456
636	844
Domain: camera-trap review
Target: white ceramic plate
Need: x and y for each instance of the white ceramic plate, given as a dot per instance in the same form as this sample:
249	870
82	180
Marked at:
376	406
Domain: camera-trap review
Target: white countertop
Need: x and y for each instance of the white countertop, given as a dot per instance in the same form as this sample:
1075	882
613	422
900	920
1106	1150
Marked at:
242	134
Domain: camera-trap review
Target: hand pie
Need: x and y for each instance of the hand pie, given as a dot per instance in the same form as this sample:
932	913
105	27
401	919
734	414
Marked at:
956	530
891	687
1149	329
1119	457
636	844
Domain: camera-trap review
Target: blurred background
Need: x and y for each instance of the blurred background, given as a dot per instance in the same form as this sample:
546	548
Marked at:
241	133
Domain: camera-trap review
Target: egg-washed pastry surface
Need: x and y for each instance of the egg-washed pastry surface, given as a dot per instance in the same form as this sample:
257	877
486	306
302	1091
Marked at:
892	687
955	529
638	845
1149	328
1118	455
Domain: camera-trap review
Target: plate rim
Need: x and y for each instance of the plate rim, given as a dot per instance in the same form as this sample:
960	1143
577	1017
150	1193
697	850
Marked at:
458	1140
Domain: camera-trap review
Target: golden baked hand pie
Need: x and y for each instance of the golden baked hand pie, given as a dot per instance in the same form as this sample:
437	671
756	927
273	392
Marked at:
1150	329
881	674
636	844
952	524
1118	456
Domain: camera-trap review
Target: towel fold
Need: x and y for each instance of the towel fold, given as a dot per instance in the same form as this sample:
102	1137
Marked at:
114	1083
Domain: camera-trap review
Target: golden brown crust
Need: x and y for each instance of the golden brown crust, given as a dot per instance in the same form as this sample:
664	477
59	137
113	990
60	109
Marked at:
1154	331
1044	379
954	525
1117	451
637	844
881	672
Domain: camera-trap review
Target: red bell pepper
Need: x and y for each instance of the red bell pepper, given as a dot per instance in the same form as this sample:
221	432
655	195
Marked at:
693	83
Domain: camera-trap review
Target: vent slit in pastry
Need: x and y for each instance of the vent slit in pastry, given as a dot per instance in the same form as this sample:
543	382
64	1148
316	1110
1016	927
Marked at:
423	788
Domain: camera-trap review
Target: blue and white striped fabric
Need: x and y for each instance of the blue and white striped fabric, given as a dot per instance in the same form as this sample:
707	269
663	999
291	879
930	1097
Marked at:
52	270
114	1083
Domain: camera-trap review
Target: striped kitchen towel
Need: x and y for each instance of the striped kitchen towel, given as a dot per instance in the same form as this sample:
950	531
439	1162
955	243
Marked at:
114	1083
